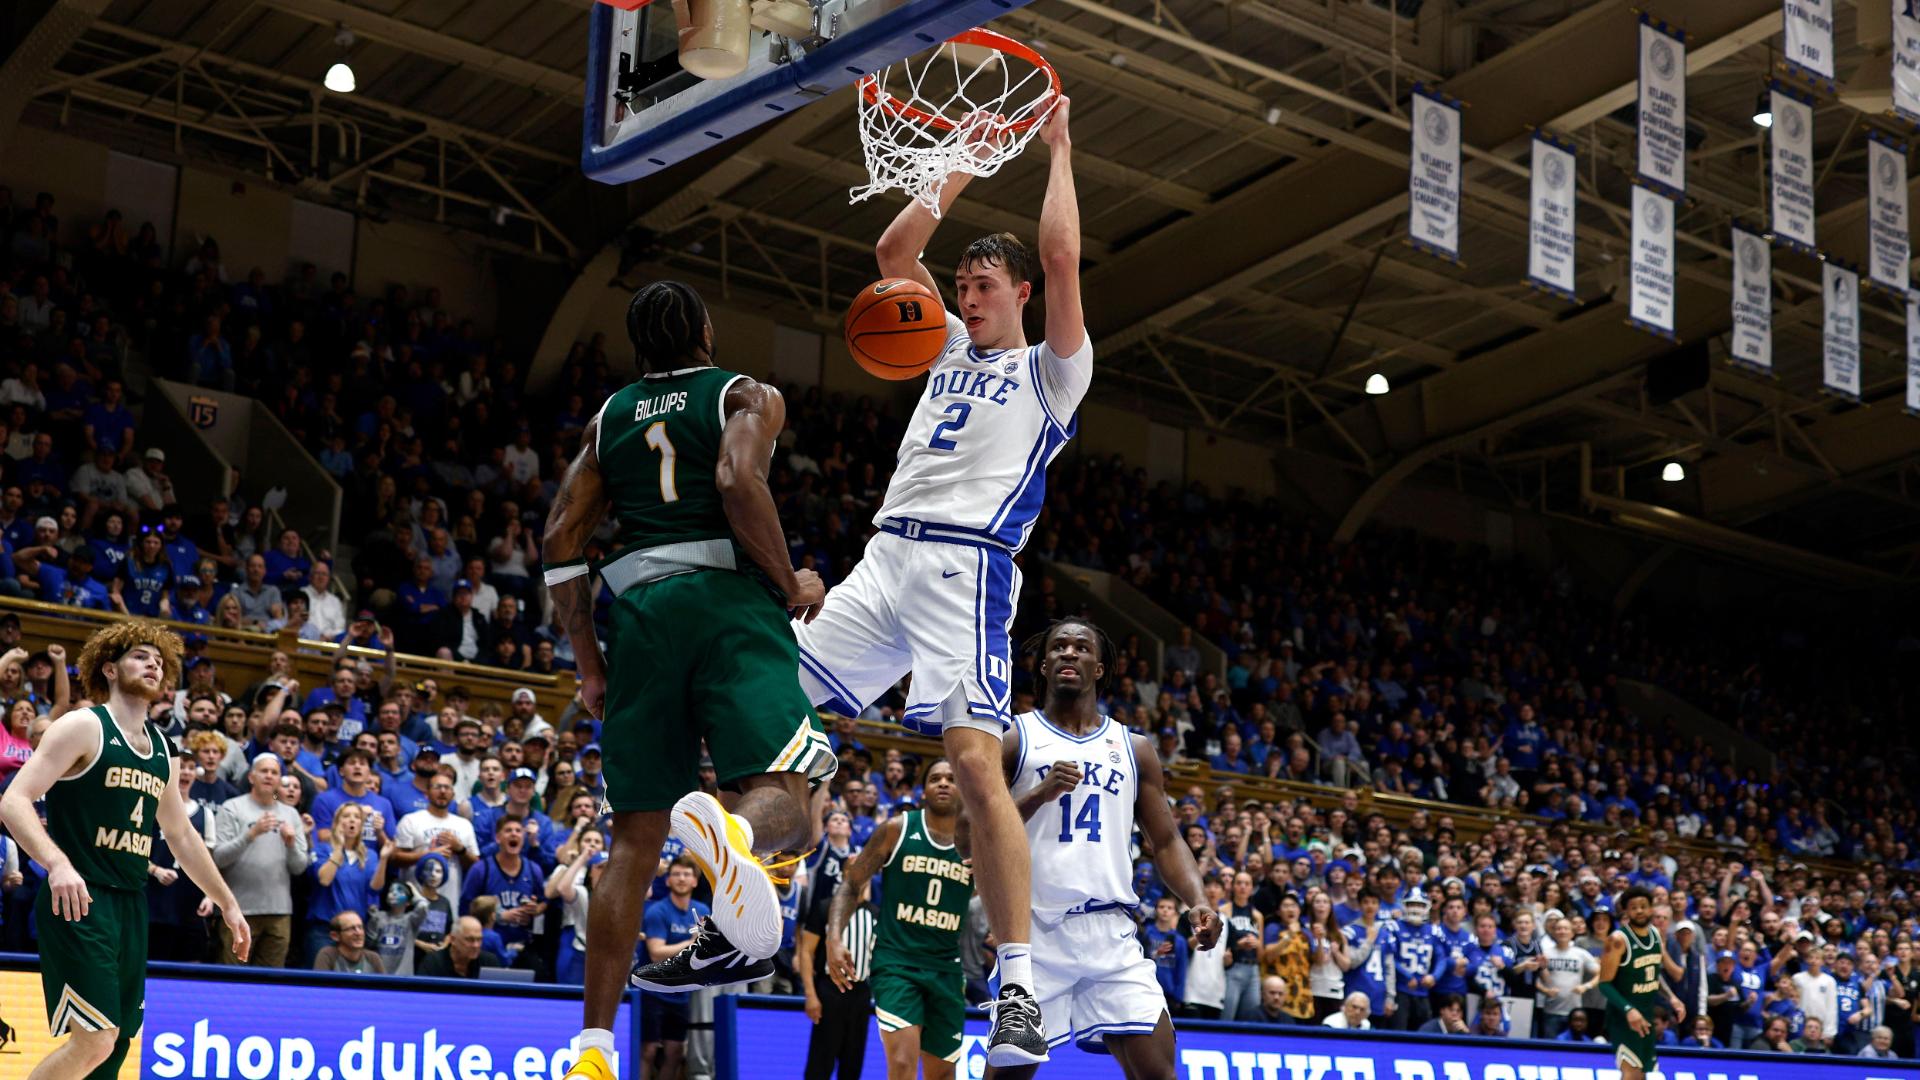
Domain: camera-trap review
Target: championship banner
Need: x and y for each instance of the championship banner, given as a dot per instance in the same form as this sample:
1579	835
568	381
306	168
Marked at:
1433	182
1840	370
1792	139
1810	36
1550	233
1663	106
1887	252
1752	343
1653	268
1913	356
1906	60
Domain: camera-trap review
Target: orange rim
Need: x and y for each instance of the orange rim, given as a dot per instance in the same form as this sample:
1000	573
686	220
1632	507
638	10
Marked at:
988	39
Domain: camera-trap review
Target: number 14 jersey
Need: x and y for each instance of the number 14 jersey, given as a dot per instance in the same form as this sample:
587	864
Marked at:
987	424
1082	841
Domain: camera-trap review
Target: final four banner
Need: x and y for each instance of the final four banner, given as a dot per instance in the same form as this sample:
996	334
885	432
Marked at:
1663	106
1810	36
1840	372
1913	356
1752	342
1792	169
1434	176
1906	60
1653	268
1550	234
1887	212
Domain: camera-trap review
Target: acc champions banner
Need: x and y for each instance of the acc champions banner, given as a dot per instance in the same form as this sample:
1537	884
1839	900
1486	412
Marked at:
1752	342
1887	212
1792	139
1652	263
773	1038
1433	179
1663	107
1550	233
1841	337
1810	35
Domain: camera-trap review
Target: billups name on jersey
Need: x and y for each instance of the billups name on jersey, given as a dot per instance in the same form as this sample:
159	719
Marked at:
648	408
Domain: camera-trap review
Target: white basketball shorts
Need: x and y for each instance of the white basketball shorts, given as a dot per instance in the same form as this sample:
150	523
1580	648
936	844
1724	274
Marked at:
1092	980
939	608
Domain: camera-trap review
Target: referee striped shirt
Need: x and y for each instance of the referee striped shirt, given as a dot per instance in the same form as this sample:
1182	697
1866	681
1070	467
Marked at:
858	939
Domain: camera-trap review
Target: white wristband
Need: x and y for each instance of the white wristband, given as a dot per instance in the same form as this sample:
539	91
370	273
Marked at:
560	575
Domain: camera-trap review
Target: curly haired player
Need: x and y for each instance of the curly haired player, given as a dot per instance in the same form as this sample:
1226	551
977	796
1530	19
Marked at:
106	773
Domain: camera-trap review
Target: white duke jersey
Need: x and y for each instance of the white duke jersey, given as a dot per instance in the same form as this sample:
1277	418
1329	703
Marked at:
975	453
1080	843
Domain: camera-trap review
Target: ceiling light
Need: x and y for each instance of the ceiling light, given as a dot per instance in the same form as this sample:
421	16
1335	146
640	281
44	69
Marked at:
1763	111
1273	115
1376	383
340	78
1673	472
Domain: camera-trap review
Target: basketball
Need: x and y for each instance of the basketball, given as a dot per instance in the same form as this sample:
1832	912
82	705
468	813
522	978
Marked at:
895	328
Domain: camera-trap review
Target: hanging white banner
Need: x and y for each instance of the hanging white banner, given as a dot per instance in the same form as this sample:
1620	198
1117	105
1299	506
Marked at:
1434	177
1913	356
1550	236
1792	138
1887	215
1752	342
1840	371
1663	108
1810	35
1652	306
1906	59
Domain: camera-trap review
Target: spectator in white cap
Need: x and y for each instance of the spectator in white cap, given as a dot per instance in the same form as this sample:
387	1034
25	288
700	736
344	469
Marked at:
45	548
148	483
524	703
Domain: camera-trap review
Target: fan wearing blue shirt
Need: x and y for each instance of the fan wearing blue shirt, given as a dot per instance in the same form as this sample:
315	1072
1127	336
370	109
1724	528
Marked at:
108	422
346	875
1450	940
110	548
543	837
286	566
355	788
339	691
1413	958
1487	957
182	553
517	882
1371	946
1168	950
74	585
667	927
145	579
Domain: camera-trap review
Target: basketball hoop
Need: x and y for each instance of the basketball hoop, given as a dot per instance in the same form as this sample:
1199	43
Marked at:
956	108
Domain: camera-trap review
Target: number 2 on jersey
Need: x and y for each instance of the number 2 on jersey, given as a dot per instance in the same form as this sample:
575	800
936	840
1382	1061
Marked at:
959	410
1088	820
657	439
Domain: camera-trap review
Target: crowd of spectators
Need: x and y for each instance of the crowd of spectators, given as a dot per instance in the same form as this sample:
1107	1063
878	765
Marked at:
375	825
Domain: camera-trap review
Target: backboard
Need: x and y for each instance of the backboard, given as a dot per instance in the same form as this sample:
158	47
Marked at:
643	113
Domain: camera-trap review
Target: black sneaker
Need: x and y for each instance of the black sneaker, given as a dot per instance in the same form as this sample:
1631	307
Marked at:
711	961
1018	1036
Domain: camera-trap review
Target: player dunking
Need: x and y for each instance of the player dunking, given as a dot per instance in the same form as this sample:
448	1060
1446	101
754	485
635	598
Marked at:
107	775
1081	779
935	592
699	646
1630	981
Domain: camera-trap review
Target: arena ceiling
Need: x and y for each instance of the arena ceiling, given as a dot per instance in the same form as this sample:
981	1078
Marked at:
1242	171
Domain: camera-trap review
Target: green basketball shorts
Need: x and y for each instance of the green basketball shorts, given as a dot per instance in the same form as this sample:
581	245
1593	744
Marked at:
906	996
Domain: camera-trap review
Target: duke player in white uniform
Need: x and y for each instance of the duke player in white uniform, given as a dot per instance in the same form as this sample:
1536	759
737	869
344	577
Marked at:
935	592
1081	780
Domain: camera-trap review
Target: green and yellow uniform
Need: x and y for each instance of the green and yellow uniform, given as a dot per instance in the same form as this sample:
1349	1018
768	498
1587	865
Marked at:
699	644
94	970
1635	985
917	981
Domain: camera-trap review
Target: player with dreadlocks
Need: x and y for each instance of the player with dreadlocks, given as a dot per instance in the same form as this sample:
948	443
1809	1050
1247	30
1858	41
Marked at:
1081	780
700	648
107	774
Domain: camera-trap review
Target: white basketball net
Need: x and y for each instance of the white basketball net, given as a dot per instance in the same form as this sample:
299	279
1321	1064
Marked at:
961	107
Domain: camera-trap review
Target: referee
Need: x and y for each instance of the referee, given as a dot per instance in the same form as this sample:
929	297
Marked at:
839	1018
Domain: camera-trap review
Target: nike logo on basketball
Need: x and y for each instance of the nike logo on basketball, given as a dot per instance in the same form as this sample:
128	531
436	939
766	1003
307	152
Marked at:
880	290
949	573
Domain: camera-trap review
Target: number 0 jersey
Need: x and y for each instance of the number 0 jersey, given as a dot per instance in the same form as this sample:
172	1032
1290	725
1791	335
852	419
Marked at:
103	818
987	424
1080	842
924	890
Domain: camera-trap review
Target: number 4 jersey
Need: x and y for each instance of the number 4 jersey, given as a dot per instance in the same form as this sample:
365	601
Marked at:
987	424
1081	841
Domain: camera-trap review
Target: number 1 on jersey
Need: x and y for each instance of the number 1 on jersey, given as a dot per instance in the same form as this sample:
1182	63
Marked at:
1088	821
657	439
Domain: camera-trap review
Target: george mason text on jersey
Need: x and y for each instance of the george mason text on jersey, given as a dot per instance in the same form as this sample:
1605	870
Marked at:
649	408
932	918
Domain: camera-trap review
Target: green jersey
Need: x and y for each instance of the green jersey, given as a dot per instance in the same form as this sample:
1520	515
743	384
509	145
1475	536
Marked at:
1638	977
924	889
103	819
658	446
